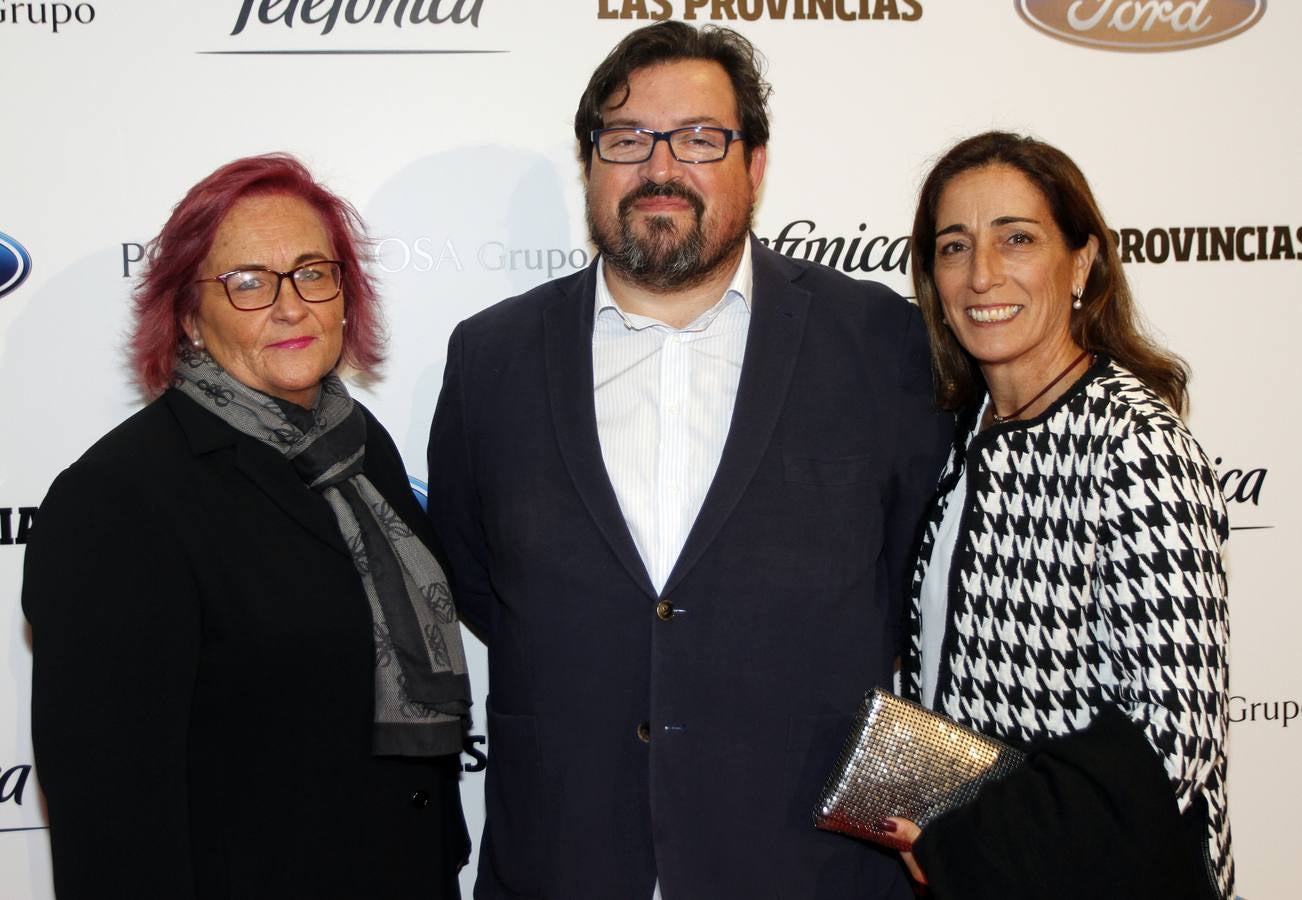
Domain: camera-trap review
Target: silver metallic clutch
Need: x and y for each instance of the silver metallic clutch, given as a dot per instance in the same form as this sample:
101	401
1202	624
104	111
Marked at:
906	761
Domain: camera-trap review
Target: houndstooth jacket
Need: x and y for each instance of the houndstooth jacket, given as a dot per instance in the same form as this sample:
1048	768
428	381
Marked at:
1087	570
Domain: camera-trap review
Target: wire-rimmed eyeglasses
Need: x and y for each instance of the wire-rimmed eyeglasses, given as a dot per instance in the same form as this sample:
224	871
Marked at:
252	288
693	144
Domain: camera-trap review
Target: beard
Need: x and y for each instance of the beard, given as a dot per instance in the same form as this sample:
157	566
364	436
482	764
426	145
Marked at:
666	256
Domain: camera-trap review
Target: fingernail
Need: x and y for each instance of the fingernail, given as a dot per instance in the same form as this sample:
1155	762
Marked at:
887	825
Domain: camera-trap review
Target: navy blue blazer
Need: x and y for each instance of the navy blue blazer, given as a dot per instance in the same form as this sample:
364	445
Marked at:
624	746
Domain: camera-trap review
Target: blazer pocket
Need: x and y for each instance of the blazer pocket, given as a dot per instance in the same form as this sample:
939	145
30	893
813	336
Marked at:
813	744
831	471
513	838
844	867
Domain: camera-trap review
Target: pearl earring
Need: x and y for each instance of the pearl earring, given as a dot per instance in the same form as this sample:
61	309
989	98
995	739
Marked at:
1076	304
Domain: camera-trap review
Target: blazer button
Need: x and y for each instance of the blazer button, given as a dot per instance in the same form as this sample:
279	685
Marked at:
644	732
420	799
665	610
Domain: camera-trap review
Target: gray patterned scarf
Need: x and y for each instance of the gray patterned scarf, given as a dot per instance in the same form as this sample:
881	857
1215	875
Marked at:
422	691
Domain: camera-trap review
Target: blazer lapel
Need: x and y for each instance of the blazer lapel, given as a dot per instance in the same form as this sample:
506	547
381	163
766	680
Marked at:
567	327
778	310
260	464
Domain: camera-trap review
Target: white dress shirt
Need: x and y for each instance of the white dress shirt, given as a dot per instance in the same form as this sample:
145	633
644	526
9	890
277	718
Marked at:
664	399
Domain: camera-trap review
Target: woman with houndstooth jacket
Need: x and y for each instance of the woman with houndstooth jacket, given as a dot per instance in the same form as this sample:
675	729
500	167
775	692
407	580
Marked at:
1069	596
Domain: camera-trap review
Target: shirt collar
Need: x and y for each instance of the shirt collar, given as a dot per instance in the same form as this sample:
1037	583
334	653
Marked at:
739	289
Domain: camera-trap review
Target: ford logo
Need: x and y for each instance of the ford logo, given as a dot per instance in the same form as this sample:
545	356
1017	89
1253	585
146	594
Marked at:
1142	25
15	264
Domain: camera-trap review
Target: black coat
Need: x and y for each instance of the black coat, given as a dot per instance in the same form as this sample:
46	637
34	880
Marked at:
202	688
624	747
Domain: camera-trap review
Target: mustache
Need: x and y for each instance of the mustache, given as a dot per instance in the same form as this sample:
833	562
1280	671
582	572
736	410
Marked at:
649	189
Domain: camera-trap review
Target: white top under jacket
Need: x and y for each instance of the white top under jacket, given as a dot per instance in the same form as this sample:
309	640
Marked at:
664	399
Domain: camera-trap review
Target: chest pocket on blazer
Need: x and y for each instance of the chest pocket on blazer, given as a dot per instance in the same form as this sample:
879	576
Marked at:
828	470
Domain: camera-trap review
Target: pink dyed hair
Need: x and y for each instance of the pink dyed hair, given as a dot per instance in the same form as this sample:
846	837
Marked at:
166	293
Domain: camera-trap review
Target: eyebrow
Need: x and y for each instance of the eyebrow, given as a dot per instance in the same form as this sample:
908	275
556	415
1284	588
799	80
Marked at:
956	228
298	261
687	122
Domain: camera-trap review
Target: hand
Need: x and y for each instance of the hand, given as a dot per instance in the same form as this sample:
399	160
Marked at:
908	831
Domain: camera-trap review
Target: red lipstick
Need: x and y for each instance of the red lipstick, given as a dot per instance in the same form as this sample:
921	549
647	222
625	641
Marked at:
297	343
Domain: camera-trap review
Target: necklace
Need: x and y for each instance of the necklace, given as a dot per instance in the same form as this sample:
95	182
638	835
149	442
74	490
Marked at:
999	420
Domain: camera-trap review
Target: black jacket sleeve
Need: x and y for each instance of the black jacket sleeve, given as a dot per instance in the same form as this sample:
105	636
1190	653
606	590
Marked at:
1090	815
115	647
454	508
924	436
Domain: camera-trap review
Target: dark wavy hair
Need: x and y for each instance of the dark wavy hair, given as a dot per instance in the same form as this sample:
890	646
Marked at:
666	42
166	294
1107	321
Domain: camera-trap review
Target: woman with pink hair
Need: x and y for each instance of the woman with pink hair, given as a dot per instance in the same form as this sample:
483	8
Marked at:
248	678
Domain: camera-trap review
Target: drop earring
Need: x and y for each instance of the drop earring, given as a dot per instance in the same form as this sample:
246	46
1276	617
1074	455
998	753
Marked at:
1075	303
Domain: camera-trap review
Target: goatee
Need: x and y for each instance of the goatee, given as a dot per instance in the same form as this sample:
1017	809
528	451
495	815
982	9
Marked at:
666	257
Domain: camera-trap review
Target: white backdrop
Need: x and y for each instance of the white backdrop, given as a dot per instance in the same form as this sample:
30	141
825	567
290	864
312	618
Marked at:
452	135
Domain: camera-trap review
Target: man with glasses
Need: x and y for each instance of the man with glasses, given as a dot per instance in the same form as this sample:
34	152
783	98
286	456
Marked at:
677	492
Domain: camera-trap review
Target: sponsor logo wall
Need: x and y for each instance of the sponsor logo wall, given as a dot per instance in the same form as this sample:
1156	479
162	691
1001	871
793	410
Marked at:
327	16
447	123
1142	25
46	15
756	10
1209	243
15	264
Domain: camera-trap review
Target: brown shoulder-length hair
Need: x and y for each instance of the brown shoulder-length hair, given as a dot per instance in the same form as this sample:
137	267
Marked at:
1107	321
166	294
670	41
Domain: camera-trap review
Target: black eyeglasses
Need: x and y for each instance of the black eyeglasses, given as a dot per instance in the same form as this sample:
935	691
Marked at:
693	144
253	288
